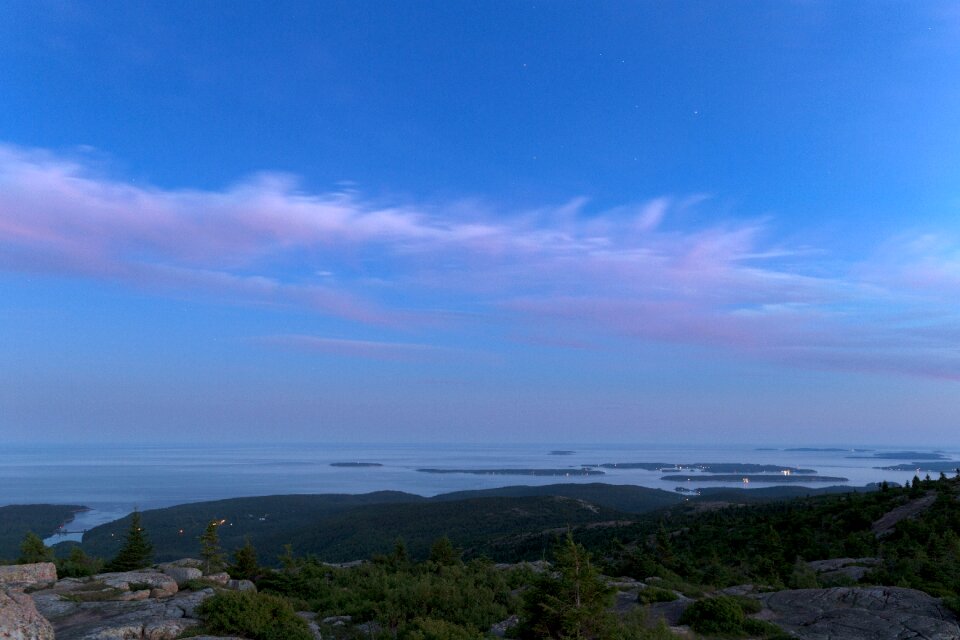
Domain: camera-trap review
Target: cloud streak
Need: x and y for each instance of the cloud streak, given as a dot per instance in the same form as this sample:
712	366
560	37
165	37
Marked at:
630	271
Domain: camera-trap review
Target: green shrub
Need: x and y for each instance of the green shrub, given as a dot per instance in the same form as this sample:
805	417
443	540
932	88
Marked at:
199	584
258	616
764	629
721	614
953	603
634	626
433	629
33	550
78	565
655	594
747	605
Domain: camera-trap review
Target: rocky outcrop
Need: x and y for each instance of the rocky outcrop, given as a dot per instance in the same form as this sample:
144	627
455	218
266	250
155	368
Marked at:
21	576
133	605
888	521
19	619
871	613
841	571
181	575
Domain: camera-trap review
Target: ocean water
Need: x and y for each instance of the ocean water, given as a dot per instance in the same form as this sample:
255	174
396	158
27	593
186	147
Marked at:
112	480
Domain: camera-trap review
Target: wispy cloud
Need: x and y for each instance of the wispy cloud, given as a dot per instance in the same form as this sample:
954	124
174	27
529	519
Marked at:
373	349
633	271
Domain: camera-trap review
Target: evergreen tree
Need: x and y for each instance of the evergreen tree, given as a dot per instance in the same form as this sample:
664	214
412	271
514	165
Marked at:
570	604
210	549
245	564
78	565
33	550
136	552
287	559
442	552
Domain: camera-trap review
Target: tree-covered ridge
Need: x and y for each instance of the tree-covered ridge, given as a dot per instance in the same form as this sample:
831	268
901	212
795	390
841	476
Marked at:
443	591
41	519
768	544
495	522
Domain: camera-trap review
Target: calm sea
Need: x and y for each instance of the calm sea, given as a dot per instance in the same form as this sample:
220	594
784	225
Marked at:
114	479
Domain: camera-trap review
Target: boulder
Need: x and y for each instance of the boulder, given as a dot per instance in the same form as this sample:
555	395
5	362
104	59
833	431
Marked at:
167	629
21	576
139	580
500	629
241	585
182	575
671	612
187	603
221	578
874	613
311	619
20	620
192	563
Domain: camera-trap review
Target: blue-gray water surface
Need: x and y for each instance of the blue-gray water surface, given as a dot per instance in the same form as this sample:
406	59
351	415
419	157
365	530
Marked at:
114	479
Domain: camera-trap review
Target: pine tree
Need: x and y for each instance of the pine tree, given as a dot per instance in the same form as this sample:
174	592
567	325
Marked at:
33	550
571	604
245	564
136	552
210	548
442	552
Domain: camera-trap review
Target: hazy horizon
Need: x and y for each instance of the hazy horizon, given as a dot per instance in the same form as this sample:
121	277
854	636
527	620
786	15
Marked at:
508	221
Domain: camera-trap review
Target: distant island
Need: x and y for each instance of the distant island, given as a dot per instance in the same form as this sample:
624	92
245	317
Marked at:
950	465
902	455
562	452
751	477
649	466
355	464
706	467
580	471
741	467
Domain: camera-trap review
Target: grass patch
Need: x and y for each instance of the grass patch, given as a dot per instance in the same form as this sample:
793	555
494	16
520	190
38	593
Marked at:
94	592
655	594
199	584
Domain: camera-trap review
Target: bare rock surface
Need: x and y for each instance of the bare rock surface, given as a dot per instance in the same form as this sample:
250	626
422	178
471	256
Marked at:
181	575
241	585
146	619
21	576
835	564
869	613
20	620
221	578
133	605
888	521
669	611
148	579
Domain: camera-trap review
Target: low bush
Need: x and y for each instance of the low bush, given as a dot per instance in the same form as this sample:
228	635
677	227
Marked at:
726	616
258	616
655	594
721	614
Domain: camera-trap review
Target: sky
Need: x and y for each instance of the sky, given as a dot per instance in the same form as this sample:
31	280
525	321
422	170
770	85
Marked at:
377	221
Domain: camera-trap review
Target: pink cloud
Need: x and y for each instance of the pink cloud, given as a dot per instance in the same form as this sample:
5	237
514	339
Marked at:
629	271
376	350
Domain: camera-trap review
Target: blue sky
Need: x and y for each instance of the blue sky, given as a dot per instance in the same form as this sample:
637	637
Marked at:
369	221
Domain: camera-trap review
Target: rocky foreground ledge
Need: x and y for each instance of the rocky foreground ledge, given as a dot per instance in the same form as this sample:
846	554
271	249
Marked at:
160	604
150	604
